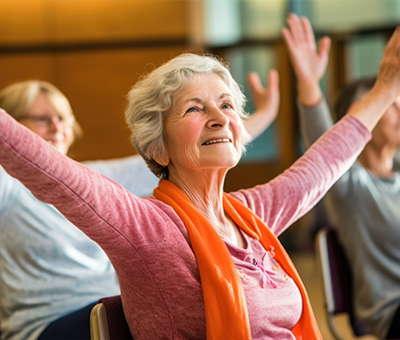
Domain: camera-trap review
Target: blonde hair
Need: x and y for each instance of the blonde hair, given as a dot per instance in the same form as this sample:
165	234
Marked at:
18	98
153	95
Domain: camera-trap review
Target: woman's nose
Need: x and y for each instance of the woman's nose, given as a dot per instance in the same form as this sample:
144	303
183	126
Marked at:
217	117
55	123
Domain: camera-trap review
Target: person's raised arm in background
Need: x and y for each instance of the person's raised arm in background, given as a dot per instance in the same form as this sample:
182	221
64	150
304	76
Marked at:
358	204
266	102
309	63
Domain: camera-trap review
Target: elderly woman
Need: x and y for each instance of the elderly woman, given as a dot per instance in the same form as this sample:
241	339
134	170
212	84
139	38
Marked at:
194	262
51	274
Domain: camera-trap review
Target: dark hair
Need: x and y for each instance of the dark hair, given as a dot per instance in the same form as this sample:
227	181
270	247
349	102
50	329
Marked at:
351	93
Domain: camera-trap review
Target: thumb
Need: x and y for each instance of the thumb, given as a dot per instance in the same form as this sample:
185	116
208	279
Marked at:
253	79
273	80
324	46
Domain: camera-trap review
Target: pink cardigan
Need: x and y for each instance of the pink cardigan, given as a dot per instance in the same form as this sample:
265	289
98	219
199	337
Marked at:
149	245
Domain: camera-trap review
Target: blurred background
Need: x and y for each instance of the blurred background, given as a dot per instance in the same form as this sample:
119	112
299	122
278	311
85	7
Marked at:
95	50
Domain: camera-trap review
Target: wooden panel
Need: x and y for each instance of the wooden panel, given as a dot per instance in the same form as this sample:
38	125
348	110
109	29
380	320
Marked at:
19	67
96	84
23	22
287	120
77	20
338	71
38	22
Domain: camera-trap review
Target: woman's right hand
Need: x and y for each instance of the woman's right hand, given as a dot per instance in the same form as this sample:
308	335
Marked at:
266	102
389	68
386	89
309	64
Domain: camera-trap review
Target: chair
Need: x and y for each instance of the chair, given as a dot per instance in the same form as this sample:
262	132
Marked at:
107	320
337	282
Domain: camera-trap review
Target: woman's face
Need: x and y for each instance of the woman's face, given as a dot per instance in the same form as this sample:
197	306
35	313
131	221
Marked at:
387	131
203	130
45	121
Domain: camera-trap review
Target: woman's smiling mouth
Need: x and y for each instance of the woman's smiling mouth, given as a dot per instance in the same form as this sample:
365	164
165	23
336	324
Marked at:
218	140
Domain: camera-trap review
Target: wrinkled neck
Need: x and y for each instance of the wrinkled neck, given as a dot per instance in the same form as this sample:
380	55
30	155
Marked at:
205	191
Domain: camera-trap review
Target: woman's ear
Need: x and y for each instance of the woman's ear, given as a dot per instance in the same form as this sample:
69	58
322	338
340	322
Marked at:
162	159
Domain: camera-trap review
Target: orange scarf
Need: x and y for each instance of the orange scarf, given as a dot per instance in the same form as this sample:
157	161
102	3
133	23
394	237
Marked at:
224	301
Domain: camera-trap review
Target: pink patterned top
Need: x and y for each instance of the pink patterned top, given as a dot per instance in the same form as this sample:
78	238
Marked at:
149	245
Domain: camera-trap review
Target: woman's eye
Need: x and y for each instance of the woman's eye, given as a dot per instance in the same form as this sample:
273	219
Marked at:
227	106
192	109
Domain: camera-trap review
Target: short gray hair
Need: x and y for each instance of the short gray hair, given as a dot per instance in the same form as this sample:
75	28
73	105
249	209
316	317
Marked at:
153	95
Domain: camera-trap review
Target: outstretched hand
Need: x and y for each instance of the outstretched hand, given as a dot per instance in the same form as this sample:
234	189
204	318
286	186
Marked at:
389	68
386	89
309	63
266	102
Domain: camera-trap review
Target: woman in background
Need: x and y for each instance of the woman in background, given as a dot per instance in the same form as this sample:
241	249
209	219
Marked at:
48	268
364	204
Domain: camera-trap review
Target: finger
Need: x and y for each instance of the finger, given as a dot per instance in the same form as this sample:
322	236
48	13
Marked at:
253	79
287	36
324	46
296	29
273	80
394	39
273	92
308	32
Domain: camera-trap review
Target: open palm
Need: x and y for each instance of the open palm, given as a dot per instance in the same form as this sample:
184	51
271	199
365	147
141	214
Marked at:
309	63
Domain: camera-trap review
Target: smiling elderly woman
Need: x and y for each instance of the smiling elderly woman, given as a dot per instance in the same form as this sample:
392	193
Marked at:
194	262
160	97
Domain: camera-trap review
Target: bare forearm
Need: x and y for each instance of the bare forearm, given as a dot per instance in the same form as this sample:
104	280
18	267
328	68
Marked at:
386	89
371	108
309	94
257	123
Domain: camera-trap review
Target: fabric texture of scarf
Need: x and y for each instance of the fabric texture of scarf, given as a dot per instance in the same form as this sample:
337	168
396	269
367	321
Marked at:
224	300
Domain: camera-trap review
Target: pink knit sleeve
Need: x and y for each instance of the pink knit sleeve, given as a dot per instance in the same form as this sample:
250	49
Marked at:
282	201
89	200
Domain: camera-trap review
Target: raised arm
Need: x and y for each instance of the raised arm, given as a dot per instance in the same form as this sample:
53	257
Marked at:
293	193
131	172
309	65
266	102
94	203
386	90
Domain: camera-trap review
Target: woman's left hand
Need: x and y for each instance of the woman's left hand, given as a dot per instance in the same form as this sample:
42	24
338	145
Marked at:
386	89
266	101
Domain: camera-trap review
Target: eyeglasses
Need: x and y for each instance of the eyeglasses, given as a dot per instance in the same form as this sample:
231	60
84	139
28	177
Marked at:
45	120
